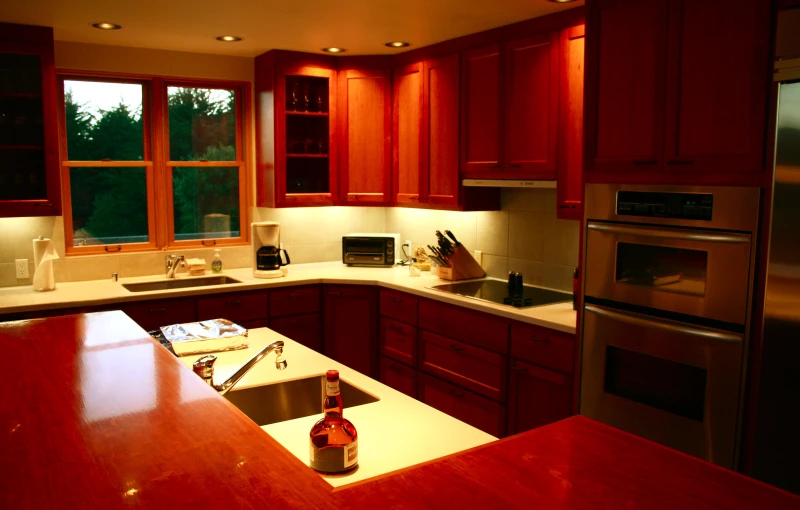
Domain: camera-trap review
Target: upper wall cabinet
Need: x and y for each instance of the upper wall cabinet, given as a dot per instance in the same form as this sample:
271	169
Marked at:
365	147
570	125
510	109
407	134
676	90
30	183
295	124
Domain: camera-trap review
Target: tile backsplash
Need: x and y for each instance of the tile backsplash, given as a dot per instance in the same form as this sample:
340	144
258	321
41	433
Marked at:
524	236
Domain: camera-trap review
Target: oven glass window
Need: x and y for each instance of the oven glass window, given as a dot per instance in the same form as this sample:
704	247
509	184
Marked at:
662	268
667	385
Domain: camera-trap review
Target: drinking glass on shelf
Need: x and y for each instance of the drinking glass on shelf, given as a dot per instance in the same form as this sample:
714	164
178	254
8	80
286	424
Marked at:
294	99
306	97
309	146
321	145
319	98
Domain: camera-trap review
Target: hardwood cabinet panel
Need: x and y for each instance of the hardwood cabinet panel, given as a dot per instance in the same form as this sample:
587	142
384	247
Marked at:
479	370
244	306
537	397
480	412
481	126
570	129
399	305
441	130
481	329
542	346
294	300
716	102
304	329
398	341
154	314
398	376
351	314
365	142
407	141
627	111
261	323
531	106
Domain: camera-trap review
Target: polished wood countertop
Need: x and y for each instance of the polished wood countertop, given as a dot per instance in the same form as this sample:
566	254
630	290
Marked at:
95	414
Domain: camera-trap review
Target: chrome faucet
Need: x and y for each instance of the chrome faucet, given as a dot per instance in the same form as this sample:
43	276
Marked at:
172	264
204	367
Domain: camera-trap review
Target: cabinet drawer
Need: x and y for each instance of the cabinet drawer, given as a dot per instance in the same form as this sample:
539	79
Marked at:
247	306
538	397
303	329
480	412
294	301
398	376
466	325
398	341
260	323
398	305
154	314
543	346
479	370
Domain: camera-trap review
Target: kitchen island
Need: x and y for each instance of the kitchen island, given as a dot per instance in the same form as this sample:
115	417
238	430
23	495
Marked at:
96	414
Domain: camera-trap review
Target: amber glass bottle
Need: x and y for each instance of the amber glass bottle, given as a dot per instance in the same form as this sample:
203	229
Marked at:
334	440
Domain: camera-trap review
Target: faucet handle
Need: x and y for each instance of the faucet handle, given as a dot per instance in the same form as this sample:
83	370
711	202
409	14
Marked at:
204	367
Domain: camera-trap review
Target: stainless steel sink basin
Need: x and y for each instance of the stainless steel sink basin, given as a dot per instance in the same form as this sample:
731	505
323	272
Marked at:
179	284
292	399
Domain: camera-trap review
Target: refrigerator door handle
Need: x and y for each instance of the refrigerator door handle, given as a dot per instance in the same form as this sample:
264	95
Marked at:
636	320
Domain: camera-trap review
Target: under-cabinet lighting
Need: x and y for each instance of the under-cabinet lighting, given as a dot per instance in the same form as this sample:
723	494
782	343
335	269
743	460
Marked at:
397	44
104	25
334	50
561	1
229	38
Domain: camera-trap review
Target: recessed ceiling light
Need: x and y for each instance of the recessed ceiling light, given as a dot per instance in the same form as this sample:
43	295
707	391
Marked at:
334	50
229	38
104	25
397	44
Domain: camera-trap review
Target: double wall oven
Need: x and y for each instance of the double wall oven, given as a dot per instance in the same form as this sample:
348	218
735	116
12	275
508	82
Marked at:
668	277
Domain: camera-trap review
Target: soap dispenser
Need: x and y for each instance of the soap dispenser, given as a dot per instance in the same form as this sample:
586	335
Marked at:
216	264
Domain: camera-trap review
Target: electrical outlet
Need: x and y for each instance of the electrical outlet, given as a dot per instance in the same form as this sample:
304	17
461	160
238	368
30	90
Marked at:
22	268
478	256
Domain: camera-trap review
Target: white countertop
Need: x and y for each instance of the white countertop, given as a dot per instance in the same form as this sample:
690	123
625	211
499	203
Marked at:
393	433
559	316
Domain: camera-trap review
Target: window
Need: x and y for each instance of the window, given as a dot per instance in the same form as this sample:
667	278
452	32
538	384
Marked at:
149	164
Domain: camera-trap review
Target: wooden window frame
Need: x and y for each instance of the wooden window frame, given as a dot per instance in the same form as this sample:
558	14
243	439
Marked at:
158	168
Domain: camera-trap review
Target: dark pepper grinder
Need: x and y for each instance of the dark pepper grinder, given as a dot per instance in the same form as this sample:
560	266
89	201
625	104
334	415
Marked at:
512	283
576	289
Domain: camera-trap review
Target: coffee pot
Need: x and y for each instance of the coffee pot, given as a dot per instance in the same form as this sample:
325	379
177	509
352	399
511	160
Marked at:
268	256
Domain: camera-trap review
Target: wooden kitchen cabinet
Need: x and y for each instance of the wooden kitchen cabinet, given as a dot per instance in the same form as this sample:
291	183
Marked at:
302	299
30	174
440	182
407	131
398	376
676	91
399	305
481	119
543	346
154	314
569	193
480	412
398	341
476	328
237	307
350	317
304	329
537	397
365	149
296	114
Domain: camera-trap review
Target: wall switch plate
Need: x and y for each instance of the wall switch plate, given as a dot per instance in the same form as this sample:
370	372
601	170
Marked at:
21	266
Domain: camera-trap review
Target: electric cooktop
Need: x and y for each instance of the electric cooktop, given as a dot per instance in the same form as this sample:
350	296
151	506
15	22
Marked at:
496	291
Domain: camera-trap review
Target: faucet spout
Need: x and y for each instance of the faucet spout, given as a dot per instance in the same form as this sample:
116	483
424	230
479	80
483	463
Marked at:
204	367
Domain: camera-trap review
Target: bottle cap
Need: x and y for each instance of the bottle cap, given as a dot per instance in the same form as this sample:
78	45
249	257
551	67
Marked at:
332	375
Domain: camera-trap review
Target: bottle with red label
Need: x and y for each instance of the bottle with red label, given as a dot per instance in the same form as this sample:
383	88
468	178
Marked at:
334	440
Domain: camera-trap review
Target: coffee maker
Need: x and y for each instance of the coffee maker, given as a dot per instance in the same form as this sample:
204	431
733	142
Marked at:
268	257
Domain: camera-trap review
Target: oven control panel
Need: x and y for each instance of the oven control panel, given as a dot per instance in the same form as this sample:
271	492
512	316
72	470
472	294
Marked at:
683	206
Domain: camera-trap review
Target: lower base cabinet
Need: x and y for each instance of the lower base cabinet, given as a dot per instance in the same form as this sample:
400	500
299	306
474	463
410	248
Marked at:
303	329
351	326
480	412
537	397
398	376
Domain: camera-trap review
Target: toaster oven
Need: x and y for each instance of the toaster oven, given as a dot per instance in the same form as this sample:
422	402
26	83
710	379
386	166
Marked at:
370	249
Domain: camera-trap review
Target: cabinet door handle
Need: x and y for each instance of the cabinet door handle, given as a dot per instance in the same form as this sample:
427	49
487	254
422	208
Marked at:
456	394
645	162
295	295
513	166
158	310
394	367
540	340
234	303
495	166
456	348
518	369
396	300
567	206
680	162
298	322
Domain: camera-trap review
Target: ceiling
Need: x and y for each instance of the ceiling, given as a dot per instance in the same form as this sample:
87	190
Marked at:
360	26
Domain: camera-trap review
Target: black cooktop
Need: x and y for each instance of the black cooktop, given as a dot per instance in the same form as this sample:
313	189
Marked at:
496	291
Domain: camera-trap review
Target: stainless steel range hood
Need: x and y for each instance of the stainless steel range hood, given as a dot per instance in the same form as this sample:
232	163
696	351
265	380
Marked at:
509	183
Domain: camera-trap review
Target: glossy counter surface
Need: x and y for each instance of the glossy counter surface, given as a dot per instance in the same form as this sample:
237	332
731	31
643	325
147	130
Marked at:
559	316
95	414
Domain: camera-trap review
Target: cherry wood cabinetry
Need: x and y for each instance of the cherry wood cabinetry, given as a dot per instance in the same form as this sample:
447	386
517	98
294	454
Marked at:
476	328
351	315
570	125
302	299
478	411
481	119
398	341
365	121
676	91
398	376
399	305
154	314
407	133
543	346
238	307
537	397
305	329
296	156
30	182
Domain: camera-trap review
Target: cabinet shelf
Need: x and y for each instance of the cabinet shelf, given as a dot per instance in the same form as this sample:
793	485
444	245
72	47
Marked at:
306	114
316	156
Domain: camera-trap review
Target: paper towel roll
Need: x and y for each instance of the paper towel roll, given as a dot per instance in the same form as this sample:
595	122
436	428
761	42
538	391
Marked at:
43	255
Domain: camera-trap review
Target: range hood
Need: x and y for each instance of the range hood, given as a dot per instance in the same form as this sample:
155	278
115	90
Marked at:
508	183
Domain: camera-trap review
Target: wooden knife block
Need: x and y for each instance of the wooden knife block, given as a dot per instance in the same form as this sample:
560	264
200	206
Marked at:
462	266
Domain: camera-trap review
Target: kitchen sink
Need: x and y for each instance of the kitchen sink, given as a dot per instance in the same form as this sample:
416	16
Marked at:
292	399
179	284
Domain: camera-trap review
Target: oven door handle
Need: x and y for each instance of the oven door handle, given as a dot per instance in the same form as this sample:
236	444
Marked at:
671	234
635	320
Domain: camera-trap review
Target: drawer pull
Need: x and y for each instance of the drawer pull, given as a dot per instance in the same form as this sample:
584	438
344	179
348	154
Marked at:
334	293
236	302
680	162
518	369
295	295
513	166
158	310
568	206
396	300
645	162
495	166
456	348
540	340
395	367
298	321
456	394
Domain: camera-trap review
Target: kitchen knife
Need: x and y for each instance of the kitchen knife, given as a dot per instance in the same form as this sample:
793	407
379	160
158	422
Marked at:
453	237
